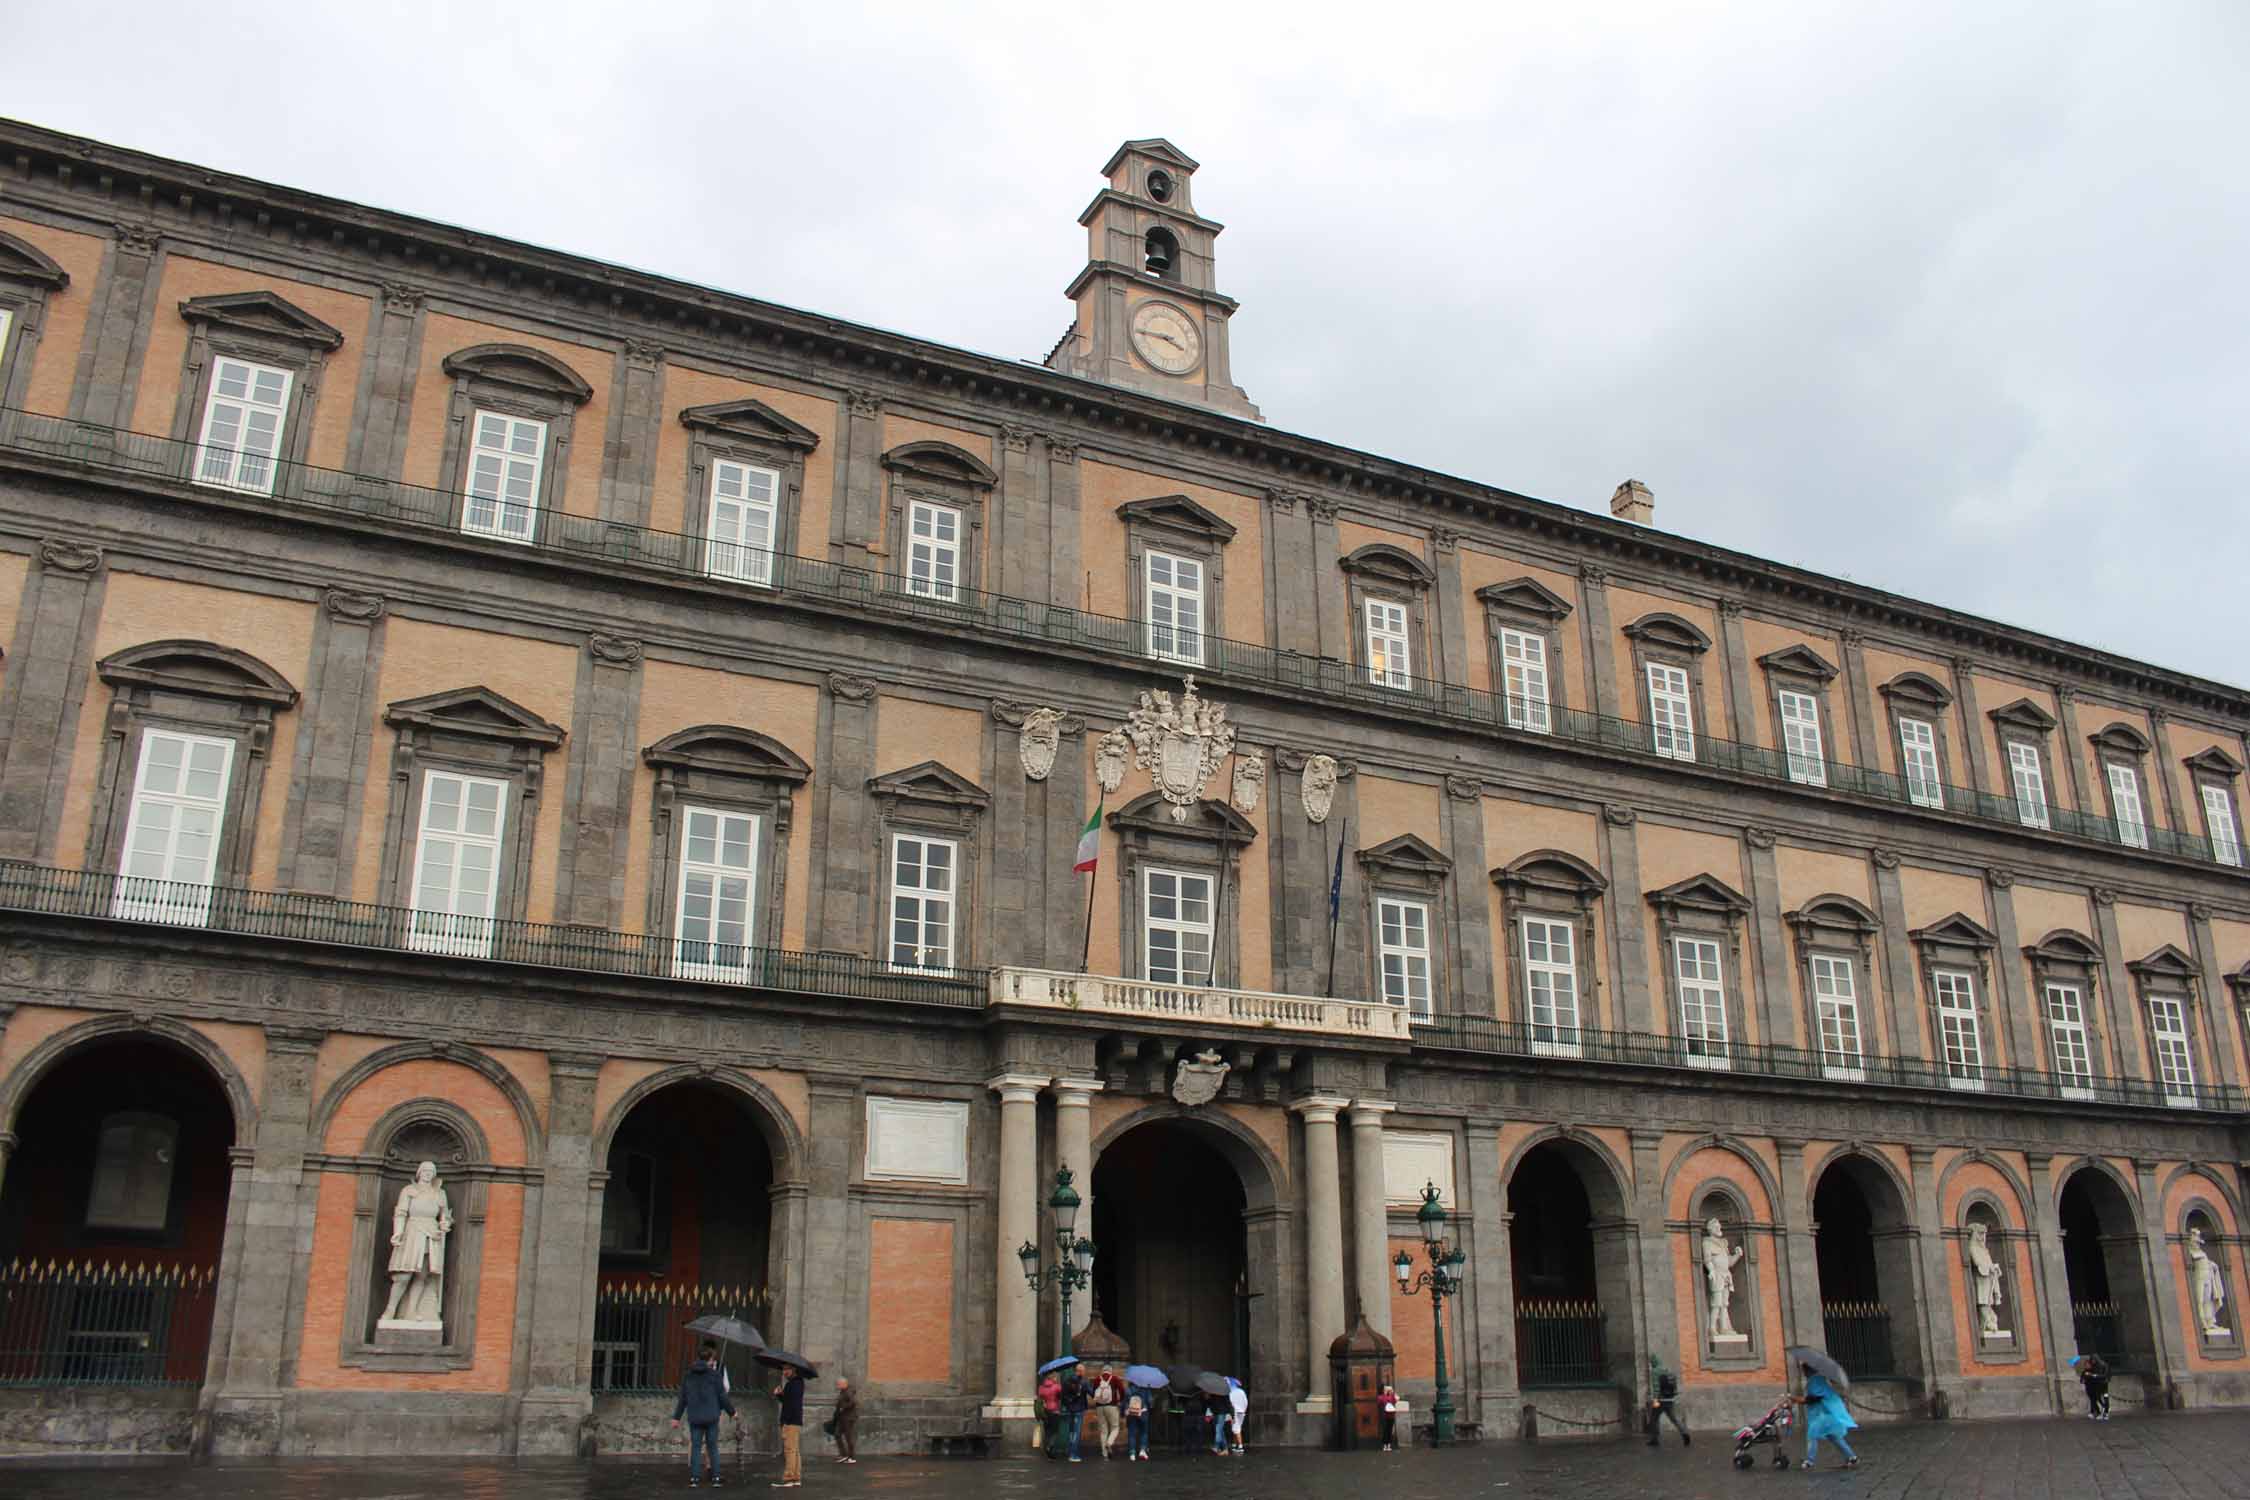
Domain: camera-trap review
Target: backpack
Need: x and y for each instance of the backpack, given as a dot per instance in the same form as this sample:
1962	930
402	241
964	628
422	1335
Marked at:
1667	1386
1105	1394
1133	1405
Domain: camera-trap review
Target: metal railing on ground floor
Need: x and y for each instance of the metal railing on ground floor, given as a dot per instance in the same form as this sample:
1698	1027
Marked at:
1559	1342
1859	1338
642	1343
81	1323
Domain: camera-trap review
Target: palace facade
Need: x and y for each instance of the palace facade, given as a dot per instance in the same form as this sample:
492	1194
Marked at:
628	746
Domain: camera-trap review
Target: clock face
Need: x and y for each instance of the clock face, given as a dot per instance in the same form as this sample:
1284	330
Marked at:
1167	338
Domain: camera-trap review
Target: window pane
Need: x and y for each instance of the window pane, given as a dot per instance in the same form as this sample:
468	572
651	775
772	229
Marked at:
2125	797
2030	783
1671	715
1177	927
1524	668
2226	834
171	848
1918	753
1800	735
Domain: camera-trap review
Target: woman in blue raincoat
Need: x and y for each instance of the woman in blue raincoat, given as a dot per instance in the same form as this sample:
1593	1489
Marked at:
1827	1419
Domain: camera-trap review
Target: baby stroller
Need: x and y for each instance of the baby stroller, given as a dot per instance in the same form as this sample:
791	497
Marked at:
1772	1428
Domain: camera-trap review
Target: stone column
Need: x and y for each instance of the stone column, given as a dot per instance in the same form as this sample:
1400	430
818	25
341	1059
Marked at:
1469	897
2163	1313
1659	1324
1033	900
109	356
1631	1005
1901	994
385	398
636	421
833	1101
1778	1021
2213	997
1015	1343
1452	631
1861	694
843	879
1292	615
1941	1361
856	538
45	686
559	1372
598	790
2012	1001
1491	1293
1074	1148
1742	714
2057	1330
2071	748
1021	547
2119	1006
1331	598
1800	1265
335	744
1593	623
1324	1247
1972	730
2164	766
1371	1230
1066	581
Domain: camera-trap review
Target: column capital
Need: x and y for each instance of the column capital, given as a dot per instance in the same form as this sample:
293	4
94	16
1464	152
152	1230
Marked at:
1921	1157
294	1038
574	1064
1085	1088
1320	1109
1642	1139
1017	1088
1788	1145
1371	1111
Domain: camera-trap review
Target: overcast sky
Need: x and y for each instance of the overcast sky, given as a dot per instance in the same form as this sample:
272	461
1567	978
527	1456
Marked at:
1951	299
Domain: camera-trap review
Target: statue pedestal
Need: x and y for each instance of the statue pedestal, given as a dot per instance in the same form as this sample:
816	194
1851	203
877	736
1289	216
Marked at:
2000	1336
1723	1339
409	1333
2218	1334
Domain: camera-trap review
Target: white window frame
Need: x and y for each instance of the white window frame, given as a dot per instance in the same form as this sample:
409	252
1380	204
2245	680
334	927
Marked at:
1523	681
1180	926
725	885
1960	1037
1551	1001
2028	779
1918	758
1175	607
729	552
238	465
2067	1037
2174	1053
935	938
1699	967
1835	982
448	929
1671	711
167	898
1800	737
2226	834
2131	814
489	487
1390	649
1404	963
933	561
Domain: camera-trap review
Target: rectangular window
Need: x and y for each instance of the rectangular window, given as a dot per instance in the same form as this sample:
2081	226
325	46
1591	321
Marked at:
1957	1027
2030	784
172	832
1175	608
2125	800
1550	966
2066	1031
457	864
1404	950
922	898
1671	713
1836	1008
505	460
1703	1002
2226	834
135	1156
1800	737
1523	661
2175	1064
242	426
7	321
714	929
1390	661
742	522
1917	749
933	551
1177	927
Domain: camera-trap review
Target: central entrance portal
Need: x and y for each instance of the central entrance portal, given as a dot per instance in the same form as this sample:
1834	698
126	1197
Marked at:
1172	1274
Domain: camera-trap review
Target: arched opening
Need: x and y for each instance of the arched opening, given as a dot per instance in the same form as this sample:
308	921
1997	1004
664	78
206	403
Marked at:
1161	254
687	1229
112	1219
2102	1262
1173	1277
1863	1243
1570	1251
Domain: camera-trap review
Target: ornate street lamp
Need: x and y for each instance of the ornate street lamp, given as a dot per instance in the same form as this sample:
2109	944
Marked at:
1074	1262
1448	1270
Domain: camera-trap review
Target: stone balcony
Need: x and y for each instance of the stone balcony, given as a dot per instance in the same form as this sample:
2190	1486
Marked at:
1138	1002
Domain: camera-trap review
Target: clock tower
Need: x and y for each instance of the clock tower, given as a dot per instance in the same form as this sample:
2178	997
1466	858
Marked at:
1149	317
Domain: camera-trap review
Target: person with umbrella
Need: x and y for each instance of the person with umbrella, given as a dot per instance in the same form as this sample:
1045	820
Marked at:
1142	1382
1074	1392
791	1394
1050	1404
1827	1419
1217	1408
703	1396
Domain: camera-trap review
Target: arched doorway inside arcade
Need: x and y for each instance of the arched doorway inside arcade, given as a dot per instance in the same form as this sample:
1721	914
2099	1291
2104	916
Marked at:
112	1218
1863	1245
1570	1255
687	1229
2109	1305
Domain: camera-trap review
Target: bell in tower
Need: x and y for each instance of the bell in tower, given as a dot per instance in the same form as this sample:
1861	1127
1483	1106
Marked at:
1150	317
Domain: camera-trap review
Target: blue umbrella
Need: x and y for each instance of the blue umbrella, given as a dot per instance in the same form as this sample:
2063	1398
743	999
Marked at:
1058	1364
1233	1384
1146	1376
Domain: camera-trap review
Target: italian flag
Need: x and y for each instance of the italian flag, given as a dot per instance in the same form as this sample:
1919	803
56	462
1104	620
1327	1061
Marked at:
1089	845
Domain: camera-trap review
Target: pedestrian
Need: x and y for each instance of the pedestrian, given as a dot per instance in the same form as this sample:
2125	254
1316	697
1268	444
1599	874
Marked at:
1827	1419
1136	1424
2093	1374
1109	1406
1074	1396
1050	1415
791	1394
703	1396
1238	1402
1215	1411
1663	1401
1390	1419
845	1422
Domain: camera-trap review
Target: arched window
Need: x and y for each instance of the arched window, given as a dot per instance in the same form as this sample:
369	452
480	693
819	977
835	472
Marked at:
1162	254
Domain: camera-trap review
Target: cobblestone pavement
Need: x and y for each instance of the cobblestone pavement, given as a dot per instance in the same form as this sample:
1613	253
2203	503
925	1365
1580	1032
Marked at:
2203	1455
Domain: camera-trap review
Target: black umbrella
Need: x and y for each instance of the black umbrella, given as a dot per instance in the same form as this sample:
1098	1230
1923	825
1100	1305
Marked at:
728	1330
782	1359
1184	1377
1212	1385
1817	1361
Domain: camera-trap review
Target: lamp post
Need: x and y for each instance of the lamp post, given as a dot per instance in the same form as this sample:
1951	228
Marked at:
1449	1268
1074	1262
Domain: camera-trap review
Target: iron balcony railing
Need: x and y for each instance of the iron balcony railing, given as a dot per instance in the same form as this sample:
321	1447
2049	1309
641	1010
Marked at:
1559	1342
326	919
611	545
78	1323
1469	1033
1859	1337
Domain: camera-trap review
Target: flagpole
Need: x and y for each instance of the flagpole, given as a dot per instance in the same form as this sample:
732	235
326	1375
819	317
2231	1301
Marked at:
1089	860
1086	942
1335	895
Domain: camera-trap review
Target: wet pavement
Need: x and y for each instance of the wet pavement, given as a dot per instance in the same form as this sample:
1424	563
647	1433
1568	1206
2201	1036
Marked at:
2203	1455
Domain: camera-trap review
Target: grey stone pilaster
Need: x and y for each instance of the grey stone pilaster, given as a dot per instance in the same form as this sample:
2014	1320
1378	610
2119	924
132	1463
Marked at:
2166	769
1452	616
1300	860
598	791
1933	1302
1019	544
1659	1333
2013	1003
43	692
385	400
2217	1030
1741	696
1865	731
1800	1263
2156	1262
1330	597
2073	755
1902	996
843	818
335	743
636	416
1470	895
2057	1329
1292	613
856	507
2120	1018
559	1370
1032	897
1487	1323
1777	1021
834	1305
1631	1005
1972	730
1065	580
1593	624
109	361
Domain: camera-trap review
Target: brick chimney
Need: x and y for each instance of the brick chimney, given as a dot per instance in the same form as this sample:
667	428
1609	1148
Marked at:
1634	503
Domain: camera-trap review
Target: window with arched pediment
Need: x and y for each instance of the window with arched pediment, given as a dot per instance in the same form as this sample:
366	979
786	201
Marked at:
28	278
745	483
508	427
1177	885
1836	978
1547	904
721	816
2066	972
1699	921
1918	705
935	507
1668	656
1389	588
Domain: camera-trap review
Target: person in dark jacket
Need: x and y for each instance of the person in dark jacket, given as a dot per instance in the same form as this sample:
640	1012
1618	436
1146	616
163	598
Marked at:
1663	1402
2093	1374
703	1398
1074	1398
791	1394
845	1423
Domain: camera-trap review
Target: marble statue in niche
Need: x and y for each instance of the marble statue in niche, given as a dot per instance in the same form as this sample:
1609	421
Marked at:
1719	1261
2209	1291
1984	1277
419	1226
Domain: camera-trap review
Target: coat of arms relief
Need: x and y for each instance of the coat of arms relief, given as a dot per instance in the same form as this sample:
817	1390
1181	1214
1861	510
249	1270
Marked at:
1198	1082
1180	745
